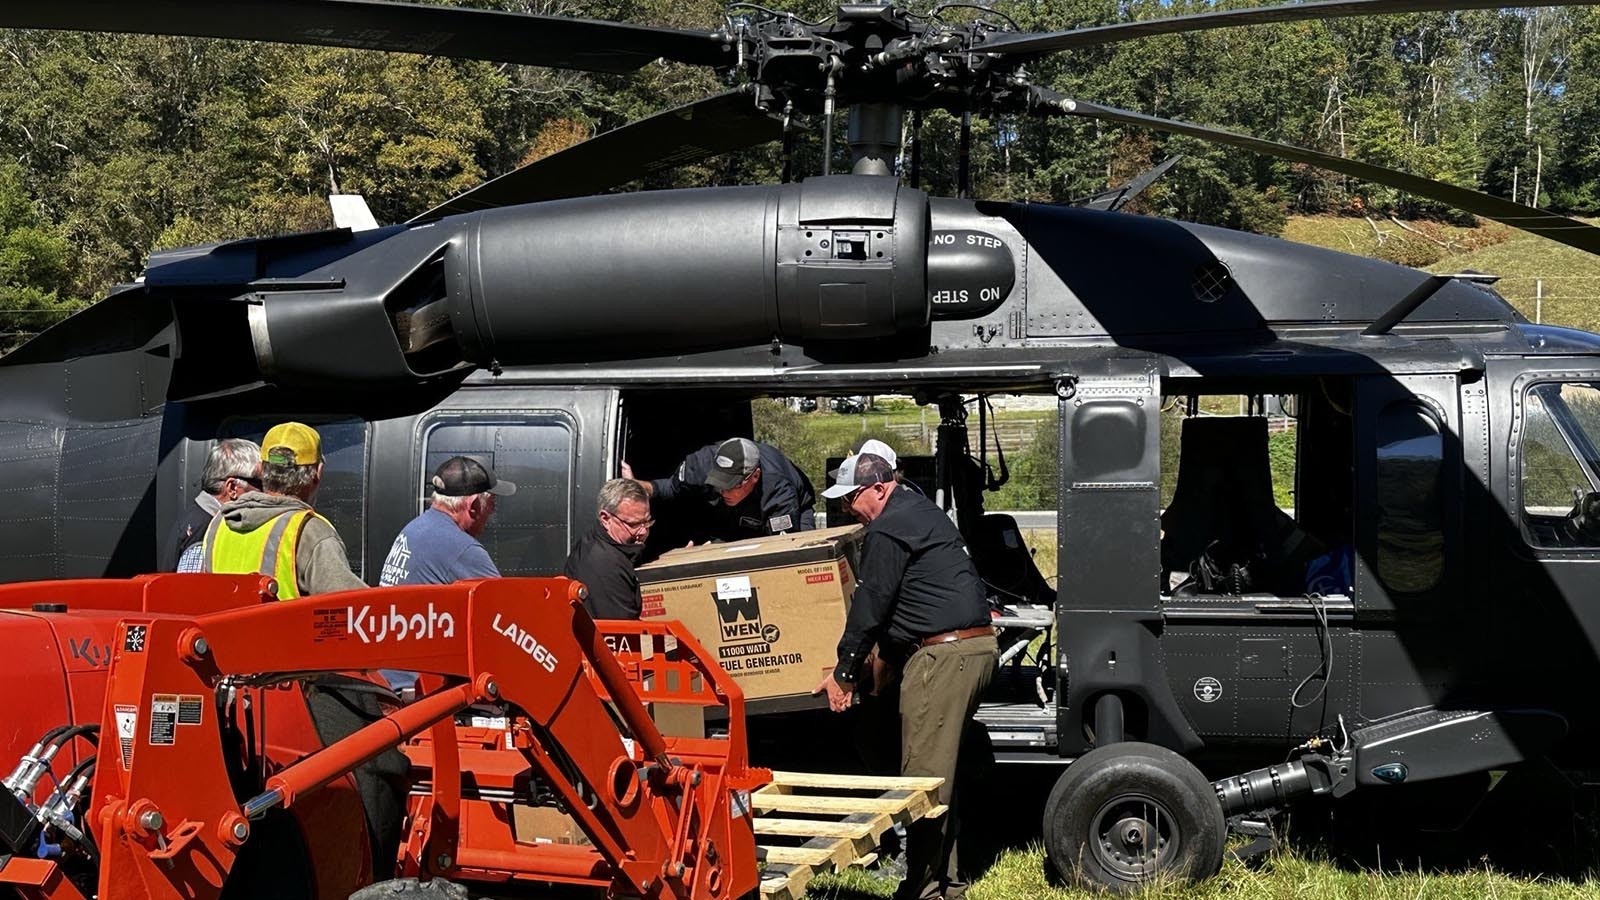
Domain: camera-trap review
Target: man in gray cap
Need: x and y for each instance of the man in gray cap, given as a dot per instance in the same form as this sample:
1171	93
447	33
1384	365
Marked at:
441	545
746	489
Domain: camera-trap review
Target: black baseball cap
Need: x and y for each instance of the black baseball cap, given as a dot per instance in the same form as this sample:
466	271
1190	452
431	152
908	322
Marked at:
463	476
735	459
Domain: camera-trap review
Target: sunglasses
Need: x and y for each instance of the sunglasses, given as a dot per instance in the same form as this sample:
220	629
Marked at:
249	480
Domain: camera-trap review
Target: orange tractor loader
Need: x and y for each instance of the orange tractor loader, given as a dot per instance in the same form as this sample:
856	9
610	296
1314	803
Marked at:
203	771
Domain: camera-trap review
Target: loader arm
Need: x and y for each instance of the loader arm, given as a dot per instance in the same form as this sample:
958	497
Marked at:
665	816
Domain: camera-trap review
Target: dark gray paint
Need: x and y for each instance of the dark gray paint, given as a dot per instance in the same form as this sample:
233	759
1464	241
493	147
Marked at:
693	286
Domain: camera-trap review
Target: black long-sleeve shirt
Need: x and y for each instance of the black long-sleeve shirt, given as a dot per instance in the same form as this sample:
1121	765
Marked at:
915	581
606	568
781	503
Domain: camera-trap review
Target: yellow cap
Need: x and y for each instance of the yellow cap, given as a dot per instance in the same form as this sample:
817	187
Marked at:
292	444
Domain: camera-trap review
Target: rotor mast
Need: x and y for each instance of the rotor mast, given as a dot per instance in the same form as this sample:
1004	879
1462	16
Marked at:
874	137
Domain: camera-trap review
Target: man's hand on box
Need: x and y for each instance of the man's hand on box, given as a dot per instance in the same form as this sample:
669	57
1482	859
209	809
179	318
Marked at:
839	695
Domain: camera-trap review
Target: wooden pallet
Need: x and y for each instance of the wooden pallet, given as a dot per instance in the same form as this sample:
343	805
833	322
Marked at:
807	824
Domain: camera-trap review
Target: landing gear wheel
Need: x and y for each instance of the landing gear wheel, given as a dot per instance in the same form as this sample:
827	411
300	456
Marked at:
1126	813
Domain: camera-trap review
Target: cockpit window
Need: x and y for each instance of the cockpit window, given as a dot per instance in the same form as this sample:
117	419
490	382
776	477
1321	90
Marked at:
1560	460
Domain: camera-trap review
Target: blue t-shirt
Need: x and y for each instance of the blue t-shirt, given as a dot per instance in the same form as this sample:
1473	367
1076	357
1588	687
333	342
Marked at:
432	549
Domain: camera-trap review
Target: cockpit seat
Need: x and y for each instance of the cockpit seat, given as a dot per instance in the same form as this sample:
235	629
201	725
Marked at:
1006	564
1223	517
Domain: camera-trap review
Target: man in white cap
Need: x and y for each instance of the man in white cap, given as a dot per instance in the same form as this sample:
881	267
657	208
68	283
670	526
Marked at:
879	448
745	489
918	597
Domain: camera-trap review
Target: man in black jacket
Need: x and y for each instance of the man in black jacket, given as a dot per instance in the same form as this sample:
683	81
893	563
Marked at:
919	599
737	489
603	559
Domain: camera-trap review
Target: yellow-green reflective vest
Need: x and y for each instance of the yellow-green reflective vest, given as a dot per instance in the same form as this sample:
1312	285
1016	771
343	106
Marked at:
267	550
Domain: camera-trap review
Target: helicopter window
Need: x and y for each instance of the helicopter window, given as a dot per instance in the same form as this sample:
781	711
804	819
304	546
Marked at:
1410	500
342	498
528	534
1560	462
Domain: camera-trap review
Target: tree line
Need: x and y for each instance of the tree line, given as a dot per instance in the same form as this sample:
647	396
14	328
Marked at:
112	146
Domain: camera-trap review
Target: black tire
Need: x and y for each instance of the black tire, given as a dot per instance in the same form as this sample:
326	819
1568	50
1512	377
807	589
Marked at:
1124	814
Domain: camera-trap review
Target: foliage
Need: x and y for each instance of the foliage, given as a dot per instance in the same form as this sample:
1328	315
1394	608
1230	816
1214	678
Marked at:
35	263
1033	483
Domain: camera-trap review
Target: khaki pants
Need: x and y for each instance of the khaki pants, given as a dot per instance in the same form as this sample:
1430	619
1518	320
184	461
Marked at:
939	691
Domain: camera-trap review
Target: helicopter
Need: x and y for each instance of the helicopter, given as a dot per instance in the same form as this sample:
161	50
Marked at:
1194	675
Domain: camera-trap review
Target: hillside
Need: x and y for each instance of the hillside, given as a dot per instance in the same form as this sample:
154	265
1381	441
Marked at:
1571	278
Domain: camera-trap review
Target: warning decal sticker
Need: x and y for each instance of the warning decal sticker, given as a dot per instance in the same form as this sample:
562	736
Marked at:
191	709
127	727
163	719
330	625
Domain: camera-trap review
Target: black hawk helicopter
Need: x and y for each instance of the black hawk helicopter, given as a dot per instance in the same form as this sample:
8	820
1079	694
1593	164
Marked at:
1449	633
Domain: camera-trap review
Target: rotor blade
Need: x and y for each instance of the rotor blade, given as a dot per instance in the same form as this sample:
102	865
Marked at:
1558	228
562	43
687	134
1115	198
1117	32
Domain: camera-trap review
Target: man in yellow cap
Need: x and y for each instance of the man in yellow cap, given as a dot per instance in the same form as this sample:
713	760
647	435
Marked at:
274	531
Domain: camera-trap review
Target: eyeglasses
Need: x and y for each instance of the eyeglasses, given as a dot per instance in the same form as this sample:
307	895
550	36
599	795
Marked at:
251	481
633	526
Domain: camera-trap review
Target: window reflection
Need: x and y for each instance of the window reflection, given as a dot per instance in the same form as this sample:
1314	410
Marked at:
1410	503
528	533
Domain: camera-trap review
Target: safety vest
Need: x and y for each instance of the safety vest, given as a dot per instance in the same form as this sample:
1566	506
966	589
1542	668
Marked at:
267	550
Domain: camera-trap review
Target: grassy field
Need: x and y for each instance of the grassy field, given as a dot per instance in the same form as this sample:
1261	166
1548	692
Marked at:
1020	874
1571	278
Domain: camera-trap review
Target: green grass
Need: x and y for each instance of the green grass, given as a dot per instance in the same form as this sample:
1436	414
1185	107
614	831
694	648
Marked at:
1020	875
1571	277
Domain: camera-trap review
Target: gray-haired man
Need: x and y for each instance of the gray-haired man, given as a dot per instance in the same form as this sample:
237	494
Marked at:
232	467
604	558
441	545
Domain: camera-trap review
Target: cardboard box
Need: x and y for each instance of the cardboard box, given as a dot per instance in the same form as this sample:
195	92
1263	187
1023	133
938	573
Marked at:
545	825
770	610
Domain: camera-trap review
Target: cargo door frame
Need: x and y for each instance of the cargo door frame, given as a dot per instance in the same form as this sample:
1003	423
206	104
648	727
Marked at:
1111	676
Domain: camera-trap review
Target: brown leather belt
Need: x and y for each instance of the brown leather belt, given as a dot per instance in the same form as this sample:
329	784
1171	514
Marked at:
948	637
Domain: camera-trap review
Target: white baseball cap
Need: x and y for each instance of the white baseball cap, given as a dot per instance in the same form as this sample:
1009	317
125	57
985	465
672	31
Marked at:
849	476
879	448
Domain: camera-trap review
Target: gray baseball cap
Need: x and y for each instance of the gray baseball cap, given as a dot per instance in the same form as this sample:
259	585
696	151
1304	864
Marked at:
735	459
